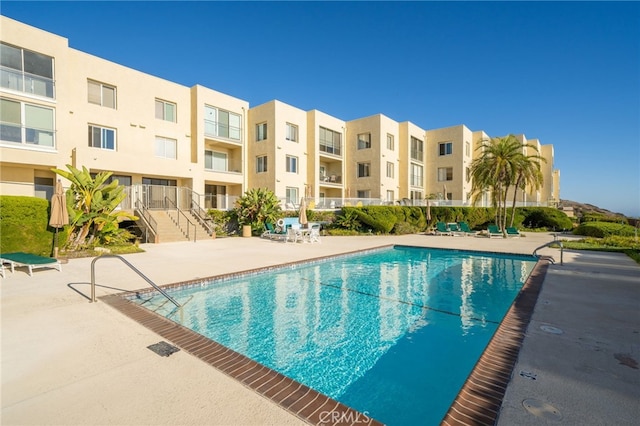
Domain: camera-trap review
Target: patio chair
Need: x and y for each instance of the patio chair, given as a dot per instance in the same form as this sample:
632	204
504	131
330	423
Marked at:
314	234
442	229
30	261
465	229
494	231
293	234
513	232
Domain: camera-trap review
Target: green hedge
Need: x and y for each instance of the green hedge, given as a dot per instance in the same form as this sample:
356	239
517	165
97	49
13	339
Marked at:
24	225
405	219
604	229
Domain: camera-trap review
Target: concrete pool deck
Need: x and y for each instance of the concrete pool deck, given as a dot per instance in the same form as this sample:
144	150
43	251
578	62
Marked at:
66	361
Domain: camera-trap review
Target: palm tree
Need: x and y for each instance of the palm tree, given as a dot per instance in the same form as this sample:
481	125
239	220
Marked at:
495	170
528	175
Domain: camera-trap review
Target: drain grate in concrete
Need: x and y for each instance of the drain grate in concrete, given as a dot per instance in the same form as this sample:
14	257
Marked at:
528	375
163	348
550	329
541	409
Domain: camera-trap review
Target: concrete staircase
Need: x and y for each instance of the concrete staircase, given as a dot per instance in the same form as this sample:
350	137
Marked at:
168	231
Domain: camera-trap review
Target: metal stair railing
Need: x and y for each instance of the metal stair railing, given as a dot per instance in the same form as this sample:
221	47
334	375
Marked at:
200	214
148	220
136	270
180	214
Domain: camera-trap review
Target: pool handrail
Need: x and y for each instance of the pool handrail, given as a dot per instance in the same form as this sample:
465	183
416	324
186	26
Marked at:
555	241
136	270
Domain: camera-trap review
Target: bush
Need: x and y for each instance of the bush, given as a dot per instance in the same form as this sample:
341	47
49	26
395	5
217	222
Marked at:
380	219
24	225
604	229
599	217
543	217
404	228
223	222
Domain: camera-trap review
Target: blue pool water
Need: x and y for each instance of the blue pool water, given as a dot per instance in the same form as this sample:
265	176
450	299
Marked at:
393	333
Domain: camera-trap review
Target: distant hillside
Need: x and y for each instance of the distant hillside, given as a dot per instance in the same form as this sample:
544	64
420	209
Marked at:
581	208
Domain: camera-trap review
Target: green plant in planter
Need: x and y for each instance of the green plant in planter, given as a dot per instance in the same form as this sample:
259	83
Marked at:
257	206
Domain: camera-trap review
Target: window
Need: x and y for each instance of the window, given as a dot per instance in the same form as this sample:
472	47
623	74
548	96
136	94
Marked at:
292	132
467	149
216	161
390	196
364	141
390	142
26	71
416	175
101	94
445	174
26	123
292	164
43	187
330	141
445	148
261	164
390	169
363	193
165	110
417	149
166	148
101	137
261	132
122	179
364	170
467	174
221	123
292	195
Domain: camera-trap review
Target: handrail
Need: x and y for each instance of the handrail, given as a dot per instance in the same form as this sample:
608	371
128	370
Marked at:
177	222
200	214
148	219
548	245
136	270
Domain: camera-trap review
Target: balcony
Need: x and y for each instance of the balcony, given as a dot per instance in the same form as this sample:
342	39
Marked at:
27	83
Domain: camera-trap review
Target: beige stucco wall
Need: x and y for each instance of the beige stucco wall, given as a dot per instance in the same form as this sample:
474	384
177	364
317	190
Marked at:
334	164
406	131
459	160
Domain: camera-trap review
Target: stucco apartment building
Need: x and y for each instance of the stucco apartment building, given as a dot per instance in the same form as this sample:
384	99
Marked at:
194	145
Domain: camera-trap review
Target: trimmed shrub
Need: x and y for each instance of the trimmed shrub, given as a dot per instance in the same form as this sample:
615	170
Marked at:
543	217
380	219
604	229
24	225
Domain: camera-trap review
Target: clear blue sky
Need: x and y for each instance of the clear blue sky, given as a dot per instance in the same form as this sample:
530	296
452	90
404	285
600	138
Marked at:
566	73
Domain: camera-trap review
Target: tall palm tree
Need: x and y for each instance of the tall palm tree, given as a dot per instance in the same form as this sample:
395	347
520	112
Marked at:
496	170
529	175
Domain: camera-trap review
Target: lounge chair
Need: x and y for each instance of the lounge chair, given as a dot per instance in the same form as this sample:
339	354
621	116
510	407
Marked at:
30	261
465	230
513	232
494	231
273	232
442	229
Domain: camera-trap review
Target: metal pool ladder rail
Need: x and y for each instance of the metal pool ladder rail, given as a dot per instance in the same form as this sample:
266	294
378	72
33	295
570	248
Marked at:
555	241
143	276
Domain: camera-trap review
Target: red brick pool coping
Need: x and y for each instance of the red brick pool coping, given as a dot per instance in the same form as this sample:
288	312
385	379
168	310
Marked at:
478	402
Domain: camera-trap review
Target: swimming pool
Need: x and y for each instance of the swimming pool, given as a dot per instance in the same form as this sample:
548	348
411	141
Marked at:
392	333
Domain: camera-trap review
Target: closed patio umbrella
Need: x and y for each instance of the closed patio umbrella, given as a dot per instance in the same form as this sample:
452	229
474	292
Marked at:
302	216
428	210
59	215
